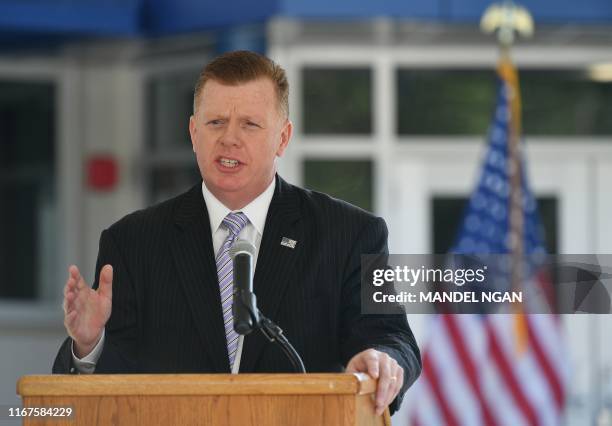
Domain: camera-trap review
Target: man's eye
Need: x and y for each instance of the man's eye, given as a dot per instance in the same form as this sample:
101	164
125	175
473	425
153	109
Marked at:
214	122
251	124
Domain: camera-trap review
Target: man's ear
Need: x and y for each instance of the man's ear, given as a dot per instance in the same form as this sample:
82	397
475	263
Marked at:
285	137
192	131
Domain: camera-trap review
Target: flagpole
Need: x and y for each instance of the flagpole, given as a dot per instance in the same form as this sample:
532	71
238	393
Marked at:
505	19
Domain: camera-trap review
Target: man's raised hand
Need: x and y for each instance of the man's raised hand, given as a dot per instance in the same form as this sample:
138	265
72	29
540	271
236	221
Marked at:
86	310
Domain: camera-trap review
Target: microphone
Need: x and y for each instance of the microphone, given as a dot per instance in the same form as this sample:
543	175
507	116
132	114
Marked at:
244	306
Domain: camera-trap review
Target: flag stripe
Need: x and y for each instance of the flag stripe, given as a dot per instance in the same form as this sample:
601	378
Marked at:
463	404
551	376
527	371
469	368
507	373
494	388
428	411
432	376
548	331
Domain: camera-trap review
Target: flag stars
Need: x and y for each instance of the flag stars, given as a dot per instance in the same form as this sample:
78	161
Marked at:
472	223
498	211
498	136
466	245
496	160
503	113
479	201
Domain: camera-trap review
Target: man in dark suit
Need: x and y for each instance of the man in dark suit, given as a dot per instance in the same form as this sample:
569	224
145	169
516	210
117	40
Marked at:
161	300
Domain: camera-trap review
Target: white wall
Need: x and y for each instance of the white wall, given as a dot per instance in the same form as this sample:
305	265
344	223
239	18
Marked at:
29	340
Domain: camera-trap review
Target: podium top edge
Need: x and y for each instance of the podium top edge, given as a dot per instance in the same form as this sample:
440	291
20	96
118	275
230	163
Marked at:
195	384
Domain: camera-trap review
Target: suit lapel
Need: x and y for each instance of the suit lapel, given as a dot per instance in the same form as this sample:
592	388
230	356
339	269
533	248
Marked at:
275	269
194	257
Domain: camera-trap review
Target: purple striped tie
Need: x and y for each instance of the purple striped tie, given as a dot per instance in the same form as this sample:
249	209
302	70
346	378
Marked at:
234	222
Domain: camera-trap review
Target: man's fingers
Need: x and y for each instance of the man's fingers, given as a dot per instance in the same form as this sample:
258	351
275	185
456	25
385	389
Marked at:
71	316
356	365
397	379
71	283
70	298
397	385
365	362
70	294
80	282
372	363
69	320
68	288
73	272
72	303
106	282
75	275
384	382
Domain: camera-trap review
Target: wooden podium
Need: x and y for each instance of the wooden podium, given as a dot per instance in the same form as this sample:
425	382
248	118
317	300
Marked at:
204	399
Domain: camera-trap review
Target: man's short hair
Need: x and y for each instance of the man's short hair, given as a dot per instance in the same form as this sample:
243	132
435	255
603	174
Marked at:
243	66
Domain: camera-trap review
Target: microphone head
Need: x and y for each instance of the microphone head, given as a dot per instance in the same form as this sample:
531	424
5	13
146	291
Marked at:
242	246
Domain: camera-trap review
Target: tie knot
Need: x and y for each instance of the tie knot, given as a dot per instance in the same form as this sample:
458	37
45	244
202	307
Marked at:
235	222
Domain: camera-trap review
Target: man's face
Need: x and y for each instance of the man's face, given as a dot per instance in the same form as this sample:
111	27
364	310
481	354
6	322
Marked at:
237	132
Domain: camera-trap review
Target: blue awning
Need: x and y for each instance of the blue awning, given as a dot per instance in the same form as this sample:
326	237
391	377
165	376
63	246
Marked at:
128	17
117	18
78	17
164	17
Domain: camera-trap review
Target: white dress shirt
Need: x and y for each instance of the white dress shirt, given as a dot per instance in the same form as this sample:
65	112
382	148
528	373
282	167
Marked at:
256	211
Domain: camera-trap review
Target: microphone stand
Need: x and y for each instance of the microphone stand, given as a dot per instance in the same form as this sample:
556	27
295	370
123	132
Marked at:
268	328
275	334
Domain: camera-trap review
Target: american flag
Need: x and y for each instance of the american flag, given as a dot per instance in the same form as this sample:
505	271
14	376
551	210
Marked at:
500	369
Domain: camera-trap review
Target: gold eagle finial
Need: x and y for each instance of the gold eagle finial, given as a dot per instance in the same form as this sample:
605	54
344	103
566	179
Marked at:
506	18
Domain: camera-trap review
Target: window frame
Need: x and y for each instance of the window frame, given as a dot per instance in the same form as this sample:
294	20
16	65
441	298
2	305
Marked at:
152	157
384	146
43	310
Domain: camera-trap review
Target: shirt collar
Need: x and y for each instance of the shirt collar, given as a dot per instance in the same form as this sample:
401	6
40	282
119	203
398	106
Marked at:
256	211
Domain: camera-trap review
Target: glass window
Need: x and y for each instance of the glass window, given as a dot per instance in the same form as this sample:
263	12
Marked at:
27	188
169	181
171	166
170	104
565	103
349	180
444	102
448	212
337	100
460	102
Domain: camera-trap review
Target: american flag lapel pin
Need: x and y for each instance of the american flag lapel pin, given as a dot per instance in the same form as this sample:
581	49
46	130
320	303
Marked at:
288	242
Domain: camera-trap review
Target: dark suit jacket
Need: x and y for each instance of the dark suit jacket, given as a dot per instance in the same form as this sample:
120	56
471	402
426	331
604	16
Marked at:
166	315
